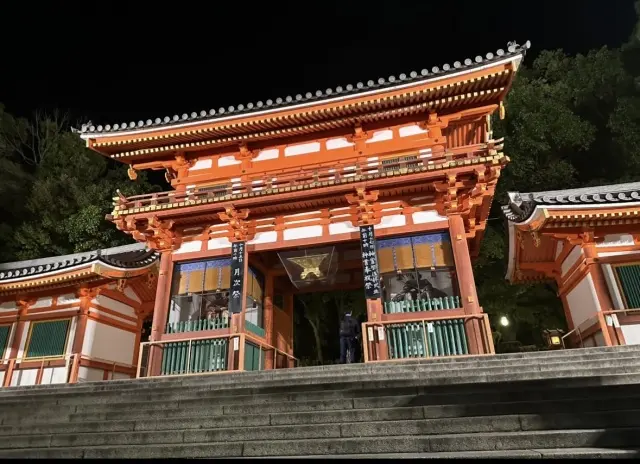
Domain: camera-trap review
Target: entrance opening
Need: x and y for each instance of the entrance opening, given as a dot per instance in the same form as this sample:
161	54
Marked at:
326	282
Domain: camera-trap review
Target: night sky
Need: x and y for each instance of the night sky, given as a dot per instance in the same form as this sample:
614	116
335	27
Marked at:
113	62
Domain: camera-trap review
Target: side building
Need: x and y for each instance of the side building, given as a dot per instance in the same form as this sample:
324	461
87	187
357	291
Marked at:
77	317
587	240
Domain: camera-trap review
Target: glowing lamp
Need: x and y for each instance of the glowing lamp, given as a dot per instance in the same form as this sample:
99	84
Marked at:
504	321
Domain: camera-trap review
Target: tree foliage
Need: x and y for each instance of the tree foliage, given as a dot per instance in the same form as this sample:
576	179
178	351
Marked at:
571	121
55	191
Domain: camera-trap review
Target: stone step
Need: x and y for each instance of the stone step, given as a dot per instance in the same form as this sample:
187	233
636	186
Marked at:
497	392
315	400
624	438
306	412
443	363
455	376
558	453
381	429
579	387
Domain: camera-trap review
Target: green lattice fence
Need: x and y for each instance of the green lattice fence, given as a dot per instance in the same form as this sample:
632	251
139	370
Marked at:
202	356
443	338
412	306
48	338
197	326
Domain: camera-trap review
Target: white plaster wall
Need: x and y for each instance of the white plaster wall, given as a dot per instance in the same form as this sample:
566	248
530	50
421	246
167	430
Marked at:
89	374
380	136
120	376
302	149
614	240
411	130
341	228
12	330
271	153
114	305
129	293
216	243
23	341
396	220
7	306
612	286
108	343
571	259
24	377
583	302
422	217
43	302
303	232
188	247
202	164
340	142
68	298
264	237
51	375
227	161
631	334
1	377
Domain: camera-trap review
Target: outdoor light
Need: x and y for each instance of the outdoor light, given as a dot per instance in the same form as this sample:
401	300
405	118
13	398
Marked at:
504	321
553	337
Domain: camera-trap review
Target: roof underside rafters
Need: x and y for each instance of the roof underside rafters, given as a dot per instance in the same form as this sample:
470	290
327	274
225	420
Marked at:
100	265
559	214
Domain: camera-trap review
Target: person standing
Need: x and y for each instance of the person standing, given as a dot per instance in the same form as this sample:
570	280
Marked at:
349	331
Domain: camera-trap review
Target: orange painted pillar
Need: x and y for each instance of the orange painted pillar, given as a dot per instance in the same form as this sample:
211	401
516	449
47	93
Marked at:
378	348
86	295
602	292
466	282
160	310
267	317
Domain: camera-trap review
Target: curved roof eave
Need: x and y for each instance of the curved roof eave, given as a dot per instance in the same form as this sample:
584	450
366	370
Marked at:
514	53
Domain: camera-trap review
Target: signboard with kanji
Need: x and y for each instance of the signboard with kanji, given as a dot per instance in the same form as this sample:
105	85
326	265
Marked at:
237	277
369	263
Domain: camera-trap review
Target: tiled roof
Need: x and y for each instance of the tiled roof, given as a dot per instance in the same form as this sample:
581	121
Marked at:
522	205
127	256
381	83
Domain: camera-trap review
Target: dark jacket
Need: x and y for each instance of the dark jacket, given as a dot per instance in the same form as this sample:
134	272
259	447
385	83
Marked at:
349	327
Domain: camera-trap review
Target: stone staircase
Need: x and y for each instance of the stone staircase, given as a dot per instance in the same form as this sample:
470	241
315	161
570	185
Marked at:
575	403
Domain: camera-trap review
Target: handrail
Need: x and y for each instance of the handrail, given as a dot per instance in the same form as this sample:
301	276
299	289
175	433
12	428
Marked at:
71	364
242	336
295	176
596	316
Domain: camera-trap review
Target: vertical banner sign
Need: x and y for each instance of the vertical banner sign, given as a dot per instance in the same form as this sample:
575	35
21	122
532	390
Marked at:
237	277
369	263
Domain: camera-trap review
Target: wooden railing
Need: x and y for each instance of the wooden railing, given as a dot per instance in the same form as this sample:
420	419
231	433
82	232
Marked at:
197	325
71	363
588	324
314	175
202	355
424	337
431	304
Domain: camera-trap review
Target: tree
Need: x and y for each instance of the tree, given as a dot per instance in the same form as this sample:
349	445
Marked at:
65	190
570	122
